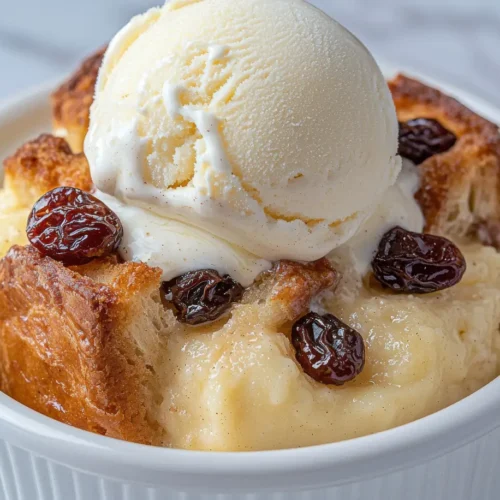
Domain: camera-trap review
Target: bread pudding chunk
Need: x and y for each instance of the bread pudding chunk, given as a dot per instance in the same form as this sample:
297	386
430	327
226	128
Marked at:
37	167
304	353
459	187
72	100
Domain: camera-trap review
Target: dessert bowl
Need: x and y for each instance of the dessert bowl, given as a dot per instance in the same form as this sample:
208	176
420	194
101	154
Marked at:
450	454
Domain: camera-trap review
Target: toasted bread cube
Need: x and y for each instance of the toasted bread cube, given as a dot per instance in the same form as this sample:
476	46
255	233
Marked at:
71	102
460	187
37	167
74	348
41	165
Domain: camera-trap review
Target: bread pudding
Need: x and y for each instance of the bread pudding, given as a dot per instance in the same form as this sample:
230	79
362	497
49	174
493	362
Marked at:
397	321
71	102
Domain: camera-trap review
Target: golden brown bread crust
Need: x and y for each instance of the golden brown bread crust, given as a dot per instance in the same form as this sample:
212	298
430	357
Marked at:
64	346
285	293
71	102
44	164
461	187
294	285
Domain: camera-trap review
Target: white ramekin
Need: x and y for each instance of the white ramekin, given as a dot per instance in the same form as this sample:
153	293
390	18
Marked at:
453	454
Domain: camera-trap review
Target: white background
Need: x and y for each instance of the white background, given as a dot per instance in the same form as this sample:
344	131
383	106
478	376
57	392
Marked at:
456	41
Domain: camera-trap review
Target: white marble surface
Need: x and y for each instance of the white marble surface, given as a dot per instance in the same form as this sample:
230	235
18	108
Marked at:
457	41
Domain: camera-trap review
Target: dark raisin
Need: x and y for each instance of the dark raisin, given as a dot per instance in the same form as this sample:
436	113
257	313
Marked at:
73	226
328	350
422	138
417	263
202	296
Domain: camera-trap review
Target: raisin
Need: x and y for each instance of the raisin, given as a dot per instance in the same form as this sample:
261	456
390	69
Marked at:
328	350
73	226
202	296
417	263
422	138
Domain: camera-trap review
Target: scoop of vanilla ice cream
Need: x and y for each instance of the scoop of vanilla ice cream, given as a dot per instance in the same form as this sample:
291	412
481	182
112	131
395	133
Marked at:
263	122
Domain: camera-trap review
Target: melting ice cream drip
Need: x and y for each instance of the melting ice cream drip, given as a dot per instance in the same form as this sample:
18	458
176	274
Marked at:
206	123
